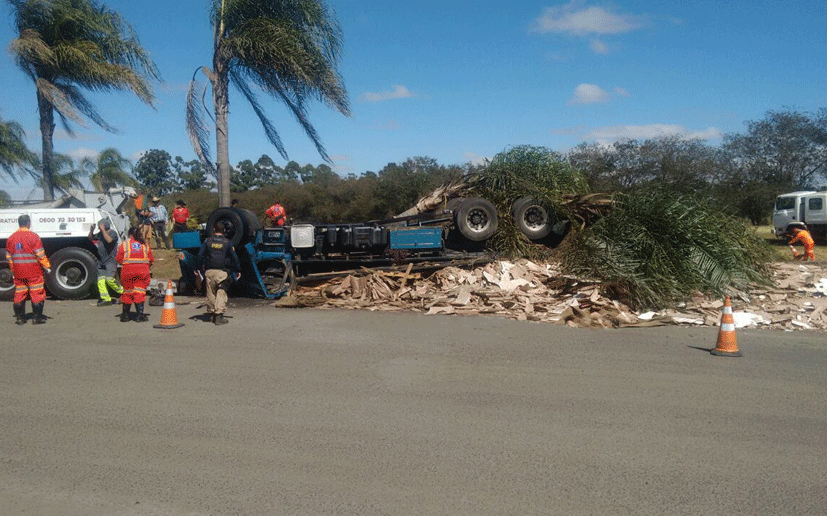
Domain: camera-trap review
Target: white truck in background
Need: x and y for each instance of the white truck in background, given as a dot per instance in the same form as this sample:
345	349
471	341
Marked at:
796	208
63	226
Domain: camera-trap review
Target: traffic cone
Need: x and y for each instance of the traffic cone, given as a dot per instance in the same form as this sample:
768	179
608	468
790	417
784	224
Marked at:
727	343
169	319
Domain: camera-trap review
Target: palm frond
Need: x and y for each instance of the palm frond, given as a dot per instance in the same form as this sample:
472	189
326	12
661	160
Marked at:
60	100
660	247
14	155
241	84
196	128
84	106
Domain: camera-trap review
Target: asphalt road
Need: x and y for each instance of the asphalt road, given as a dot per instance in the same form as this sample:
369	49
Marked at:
342	412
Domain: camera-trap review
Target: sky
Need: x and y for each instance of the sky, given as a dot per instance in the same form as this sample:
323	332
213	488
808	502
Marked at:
461	80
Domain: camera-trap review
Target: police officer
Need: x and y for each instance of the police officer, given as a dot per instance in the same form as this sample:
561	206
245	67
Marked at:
218	260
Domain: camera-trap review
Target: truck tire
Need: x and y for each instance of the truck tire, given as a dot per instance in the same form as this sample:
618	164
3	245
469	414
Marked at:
476	219
74	271
240	225
531	217
6	283
453	204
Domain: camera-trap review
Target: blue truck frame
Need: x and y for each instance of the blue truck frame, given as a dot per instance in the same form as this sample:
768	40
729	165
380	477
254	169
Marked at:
270	261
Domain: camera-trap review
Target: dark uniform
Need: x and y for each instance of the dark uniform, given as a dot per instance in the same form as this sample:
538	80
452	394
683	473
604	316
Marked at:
218	260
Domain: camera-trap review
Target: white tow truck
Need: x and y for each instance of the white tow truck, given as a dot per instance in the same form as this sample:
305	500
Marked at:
797	208
63	226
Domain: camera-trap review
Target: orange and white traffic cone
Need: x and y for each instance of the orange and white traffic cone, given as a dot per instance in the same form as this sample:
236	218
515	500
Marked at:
169	319
727	343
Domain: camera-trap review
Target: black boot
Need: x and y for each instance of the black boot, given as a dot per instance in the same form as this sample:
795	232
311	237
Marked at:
125	312
219	319
37	308
20	313
139	311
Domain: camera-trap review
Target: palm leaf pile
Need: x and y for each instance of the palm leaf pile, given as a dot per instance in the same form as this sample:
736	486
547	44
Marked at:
521	171
528	170
654	248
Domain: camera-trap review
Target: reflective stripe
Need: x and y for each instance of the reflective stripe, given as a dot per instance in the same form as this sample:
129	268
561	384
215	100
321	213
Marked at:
727	309
727	327
169	306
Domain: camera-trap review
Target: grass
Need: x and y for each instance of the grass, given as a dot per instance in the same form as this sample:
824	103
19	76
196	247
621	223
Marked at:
166	265
780	251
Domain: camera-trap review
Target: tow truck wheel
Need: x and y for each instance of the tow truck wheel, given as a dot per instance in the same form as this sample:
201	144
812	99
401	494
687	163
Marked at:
476	219
74	271
531	217
6	283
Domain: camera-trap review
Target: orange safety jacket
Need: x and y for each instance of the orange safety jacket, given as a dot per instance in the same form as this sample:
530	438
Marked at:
134	253
805	238
25	254
276	213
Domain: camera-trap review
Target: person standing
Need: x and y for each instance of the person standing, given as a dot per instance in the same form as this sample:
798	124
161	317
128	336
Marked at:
276	215
135	256
158	216
27	260
180	216
218	260
806	239
106	243
142	216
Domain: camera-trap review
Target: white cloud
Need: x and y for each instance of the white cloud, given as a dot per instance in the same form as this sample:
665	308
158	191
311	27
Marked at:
578	19
588	94
82	152
598	47
644	132
476	159
621	92
398	92
135	156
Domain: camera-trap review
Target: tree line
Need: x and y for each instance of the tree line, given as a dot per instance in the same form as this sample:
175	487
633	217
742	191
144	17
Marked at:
784	151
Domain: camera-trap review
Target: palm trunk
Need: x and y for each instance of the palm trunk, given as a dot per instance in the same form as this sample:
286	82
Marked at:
47	130
221	98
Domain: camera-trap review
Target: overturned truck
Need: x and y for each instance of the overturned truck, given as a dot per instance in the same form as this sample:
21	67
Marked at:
273	258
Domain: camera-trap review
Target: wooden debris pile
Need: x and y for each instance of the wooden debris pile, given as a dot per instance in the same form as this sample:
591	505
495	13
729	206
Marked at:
524	290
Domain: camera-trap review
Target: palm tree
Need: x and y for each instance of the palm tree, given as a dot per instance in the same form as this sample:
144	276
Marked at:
65	174
69	45
14	155
109	170
287	48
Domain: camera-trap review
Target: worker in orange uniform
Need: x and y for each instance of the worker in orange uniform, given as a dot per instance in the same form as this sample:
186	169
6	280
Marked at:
135	256
276	215
803	236
27	260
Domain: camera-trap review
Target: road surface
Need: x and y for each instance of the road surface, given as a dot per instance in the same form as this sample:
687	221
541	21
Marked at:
327	412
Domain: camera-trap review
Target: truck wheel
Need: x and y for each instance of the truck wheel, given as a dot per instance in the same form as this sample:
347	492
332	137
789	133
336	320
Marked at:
476	219
6	283
74	271
531	217
235	227
453	204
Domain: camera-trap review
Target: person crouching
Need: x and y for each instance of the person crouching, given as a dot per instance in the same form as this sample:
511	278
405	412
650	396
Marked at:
135	257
